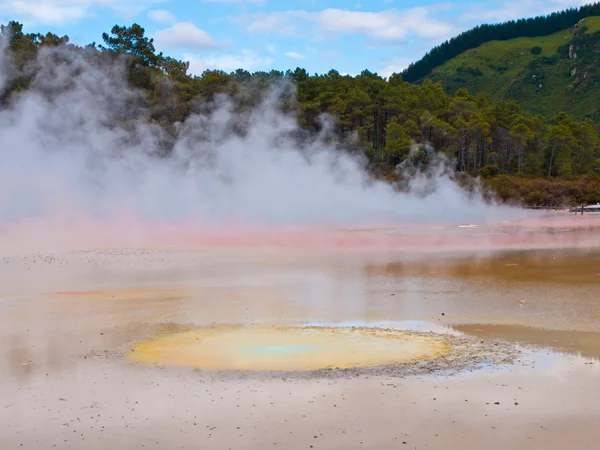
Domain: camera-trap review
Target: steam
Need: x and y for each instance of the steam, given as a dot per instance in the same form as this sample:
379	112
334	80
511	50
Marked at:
76	144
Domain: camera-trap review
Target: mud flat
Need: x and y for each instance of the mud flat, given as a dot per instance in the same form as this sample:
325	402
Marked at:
283	346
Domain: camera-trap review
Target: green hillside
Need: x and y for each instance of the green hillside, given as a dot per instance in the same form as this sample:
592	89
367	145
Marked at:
539	72
398	127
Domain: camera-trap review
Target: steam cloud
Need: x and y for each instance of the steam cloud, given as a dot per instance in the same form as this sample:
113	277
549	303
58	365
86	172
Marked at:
74	145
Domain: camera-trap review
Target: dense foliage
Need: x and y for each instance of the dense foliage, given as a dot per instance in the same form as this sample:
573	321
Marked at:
538	26
547	75
393	122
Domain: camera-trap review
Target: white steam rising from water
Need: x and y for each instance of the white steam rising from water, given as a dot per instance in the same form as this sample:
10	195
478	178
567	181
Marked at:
62	154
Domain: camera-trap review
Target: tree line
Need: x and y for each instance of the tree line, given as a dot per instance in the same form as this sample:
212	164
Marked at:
537	26
393	122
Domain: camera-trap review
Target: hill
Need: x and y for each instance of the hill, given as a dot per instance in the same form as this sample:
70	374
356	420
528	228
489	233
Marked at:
546	74
396	127
531	27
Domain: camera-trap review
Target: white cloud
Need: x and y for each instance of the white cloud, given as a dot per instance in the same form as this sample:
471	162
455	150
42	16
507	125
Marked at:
392	25
161	15
280	22
48	11
395	65
60	12
396	25
271	48
294	55
245	59
385	25
504	10
184	35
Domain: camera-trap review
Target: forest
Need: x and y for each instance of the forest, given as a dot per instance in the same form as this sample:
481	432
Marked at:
538	26
529	158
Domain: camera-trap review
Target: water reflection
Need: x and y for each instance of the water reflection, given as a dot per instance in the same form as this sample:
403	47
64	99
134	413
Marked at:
547	266
585	344
500	295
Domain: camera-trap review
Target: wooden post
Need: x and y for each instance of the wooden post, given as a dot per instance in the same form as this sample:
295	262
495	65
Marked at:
582	205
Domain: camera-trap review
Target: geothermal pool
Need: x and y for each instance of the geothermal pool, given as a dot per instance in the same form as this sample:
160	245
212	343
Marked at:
285	348
357	342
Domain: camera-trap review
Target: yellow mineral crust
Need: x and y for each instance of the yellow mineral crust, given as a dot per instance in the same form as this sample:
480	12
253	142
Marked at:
262	348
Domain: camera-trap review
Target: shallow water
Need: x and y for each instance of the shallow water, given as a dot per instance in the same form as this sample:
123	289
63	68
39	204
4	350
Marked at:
584	343
66	319
556	291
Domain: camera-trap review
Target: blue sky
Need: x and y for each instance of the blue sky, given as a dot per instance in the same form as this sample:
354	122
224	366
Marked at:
347	35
